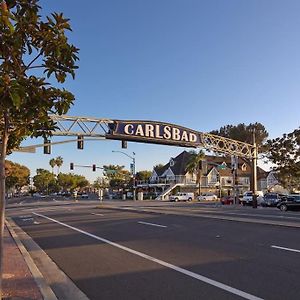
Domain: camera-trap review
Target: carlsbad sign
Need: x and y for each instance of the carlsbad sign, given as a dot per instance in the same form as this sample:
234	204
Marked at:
154	132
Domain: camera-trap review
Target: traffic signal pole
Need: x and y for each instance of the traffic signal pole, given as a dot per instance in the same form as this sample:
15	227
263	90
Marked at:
254	173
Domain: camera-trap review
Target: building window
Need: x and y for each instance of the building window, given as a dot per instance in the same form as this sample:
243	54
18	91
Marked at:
244	167
172	163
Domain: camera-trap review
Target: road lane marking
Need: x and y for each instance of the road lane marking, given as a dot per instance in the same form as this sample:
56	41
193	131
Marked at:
199	277
97	214
152	224
286	249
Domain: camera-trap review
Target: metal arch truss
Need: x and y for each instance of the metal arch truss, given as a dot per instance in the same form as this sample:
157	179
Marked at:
94	127
228	146
80	126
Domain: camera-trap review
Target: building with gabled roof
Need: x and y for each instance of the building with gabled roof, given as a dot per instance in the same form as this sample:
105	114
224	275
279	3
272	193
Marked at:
217	175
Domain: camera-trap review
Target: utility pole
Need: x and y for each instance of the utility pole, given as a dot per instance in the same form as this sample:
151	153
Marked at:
200	175
254	172
133	169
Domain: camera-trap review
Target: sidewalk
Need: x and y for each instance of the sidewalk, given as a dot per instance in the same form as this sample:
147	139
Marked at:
18	282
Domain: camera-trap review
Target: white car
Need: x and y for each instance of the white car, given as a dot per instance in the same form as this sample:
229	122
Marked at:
248	198
208	196
38	195
182	197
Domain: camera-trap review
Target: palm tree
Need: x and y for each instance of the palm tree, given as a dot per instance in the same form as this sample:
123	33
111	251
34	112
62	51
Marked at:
194	166
59	162
52	163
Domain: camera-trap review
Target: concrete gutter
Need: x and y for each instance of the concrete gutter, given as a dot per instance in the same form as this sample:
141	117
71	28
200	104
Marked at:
54	284
44	288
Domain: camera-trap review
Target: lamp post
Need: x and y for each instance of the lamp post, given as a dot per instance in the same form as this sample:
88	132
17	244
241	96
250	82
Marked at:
133	169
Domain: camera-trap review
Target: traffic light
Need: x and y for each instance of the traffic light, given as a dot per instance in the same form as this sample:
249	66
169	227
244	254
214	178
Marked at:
94	168
71	166
47	146
80	142
124	144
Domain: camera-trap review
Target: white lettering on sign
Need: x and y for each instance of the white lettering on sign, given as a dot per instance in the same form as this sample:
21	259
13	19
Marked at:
167	132
193	137
175	134
157	132
128	129
139	130
149	130
160	132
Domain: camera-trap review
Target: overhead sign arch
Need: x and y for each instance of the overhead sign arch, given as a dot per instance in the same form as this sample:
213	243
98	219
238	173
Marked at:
150	132
153	132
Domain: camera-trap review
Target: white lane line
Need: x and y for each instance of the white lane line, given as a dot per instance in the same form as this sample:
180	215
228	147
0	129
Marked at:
161	262
152	224
97	214
286	249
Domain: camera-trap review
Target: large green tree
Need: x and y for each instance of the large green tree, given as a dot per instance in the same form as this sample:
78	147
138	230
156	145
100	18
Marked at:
117	175
16	175
67	182
44	181
284	153
143	175
52	163
31	49
59	162
244	133
194	166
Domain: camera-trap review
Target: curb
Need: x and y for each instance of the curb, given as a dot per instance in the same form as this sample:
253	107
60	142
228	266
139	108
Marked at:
54	284
44	288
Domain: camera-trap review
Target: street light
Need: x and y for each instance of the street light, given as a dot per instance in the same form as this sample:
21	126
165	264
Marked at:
133	169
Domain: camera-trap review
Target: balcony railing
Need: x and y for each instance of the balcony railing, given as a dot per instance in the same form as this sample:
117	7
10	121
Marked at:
181	179
167	181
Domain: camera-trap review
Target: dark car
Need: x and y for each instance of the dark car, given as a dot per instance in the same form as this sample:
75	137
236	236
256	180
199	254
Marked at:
271	199
291	202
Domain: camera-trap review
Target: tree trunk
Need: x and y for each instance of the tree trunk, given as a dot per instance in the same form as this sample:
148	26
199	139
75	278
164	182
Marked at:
199	180
3	146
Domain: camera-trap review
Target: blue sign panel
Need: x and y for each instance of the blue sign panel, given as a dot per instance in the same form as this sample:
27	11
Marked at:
154	132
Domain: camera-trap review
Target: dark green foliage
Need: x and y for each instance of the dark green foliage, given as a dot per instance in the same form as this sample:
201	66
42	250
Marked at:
16	175
244	133
284	152
143	175
117	176
30	49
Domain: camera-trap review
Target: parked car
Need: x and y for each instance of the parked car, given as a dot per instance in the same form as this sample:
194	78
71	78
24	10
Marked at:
207	196
291	202
182	197
84	196
38	195
228	200
248	198
271	199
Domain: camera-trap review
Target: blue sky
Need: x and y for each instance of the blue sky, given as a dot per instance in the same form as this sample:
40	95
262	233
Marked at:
199	64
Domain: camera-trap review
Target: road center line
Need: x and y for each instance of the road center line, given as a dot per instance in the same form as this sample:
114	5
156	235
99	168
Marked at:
286	249
97	214
160	262
152	224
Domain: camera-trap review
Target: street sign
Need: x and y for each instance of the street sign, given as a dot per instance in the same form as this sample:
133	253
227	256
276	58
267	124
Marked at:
222	166
109	172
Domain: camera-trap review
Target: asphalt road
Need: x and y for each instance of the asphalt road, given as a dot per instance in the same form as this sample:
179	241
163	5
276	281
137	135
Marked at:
157	250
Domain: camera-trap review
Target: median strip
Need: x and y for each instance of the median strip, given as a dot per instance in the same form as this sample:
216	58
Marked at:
186	272
152	224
